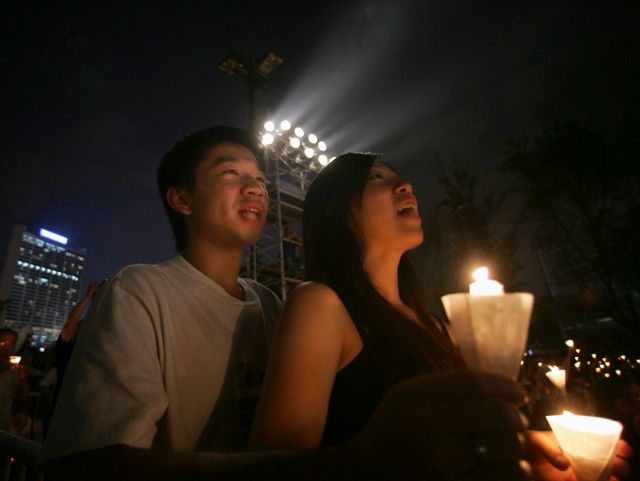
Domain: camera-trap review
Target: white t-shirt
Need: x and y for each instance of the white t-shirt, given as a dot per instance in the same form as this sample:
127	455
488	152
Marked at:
152	369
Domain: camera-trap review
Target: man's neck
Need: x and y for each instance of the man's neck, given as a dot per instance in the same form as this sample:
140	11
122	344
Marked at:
222	265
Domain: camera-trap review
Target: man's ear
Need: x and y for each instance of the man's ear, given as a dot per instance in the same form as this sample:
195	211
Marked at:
179	200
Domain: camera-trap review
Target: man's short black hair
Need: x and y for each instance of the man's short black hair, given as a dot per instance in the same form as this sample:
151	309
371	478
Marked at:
178	167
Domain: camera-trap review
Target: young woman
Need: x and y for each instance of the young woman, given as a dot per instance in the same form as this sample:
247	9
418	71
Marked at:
359	326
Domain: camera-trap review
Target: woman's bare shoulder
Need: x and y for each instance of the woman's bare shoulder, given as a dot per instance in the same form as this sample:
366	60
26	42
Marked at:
313	291
316	301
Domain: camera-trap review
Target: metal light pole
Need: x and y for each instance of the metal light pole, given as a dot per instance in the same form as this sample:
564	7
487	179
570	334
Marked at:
255	74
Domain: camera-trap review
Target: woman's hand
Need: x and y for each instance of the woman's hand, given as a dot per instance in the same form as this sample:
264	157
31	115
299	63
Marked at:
451	426
549	463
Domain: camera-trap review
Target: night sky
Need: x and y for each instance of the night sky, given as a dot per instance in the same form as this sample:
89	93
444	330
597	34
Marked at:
93	96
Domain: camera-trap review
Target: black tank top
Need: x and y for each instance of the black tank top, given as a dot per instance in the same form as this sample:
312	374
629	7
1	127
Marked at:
357	390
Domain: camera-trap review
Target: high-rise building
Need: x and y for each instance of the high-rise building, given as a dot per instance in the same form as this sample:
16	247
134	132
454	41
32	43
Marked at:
40	282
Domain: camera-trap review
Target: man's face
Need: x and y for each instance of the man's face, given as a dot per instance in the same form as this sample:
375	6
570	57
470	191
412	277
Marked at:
228	204
7	343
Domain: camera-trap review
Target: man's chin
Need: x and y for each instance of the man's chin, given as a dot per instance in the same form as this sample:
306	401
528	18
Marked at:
253	238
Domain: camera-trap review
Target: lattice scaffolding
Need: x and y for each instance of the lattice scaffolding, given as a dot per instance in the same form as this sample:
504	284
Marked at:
292	161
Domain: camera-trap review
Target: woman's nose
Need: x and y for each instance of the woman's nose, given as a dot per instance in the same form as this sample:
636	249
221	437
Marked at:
403	187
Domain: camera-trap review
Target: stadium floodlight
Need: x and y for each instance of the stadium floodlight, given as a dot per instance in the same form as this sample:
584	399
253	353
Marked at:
267	139
269	126
299	132
323	160
322	146
312	138
269	63
308	152
294	142
285	125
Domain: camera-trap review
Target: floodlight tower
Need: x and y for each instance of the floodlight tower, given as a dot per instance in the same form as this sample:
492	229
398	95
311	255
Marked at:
293	160
255	74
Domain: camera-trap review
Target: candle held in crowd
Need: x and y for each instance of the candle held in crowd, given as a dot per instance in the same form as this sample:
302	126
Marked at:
483	286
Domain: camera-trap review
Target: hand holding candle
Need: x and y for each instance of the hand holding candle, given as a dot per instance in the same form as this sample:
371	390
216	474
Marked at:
589	443
491	327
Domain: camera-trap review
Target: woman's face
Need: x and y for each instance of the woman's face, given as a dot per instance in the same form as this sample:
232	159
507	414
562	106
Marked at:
388	217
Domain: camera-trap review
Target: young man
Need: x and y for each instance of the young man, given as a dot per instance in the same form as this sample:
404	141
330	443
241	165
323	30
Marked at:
171	355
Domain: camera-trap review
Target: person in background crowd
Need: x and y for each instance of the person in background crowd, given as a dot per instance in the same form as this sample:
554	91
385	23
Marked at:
67	339
12	384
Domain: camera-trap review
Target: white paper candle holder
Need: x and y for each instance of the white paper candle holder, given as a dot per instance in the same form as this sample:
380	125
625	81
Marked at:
491	330
589	443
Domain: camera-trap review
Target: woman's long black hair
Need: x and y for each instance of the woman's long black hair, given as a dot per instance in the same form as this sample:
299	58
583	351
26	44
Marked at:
333	256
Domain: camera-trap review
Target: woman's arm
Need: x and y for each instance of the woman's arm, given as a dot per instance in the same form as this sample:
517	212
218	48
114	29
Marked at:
314	340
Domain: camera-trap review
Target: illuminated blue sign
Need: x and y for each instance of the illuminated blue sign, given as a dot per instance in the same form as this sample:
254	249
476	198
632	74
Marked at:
53	236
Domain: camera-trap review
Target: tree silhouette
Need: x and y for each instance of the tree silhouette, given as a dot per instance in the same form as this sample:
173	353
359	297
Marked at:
580	188
462	235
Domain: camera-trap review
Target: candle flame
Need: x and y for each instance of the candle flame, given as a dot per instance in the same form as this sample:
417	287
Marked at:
587	424
481	274
553	368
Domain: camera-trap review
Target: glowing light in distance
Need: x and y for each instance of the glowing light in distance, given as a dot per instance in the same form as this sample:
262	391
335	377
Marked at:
299	132
569	343
312	138
308	152
323	160
53	236
269	126
322	146
294	142
267	139
618	372
285	125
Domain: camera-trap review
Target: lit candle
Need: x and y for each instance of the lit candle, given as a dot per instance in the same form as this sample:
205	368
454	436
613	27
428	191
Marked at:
490	326
483	286
15	359
589	443
558	377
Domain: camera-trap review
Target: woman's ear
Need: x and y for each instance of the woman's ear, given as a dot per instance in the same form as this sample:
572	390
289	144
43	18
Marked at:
179	200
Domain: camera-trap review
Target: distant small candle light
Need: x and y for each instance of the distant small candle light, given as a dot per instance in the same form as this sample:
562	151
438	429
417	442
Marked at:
557	376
